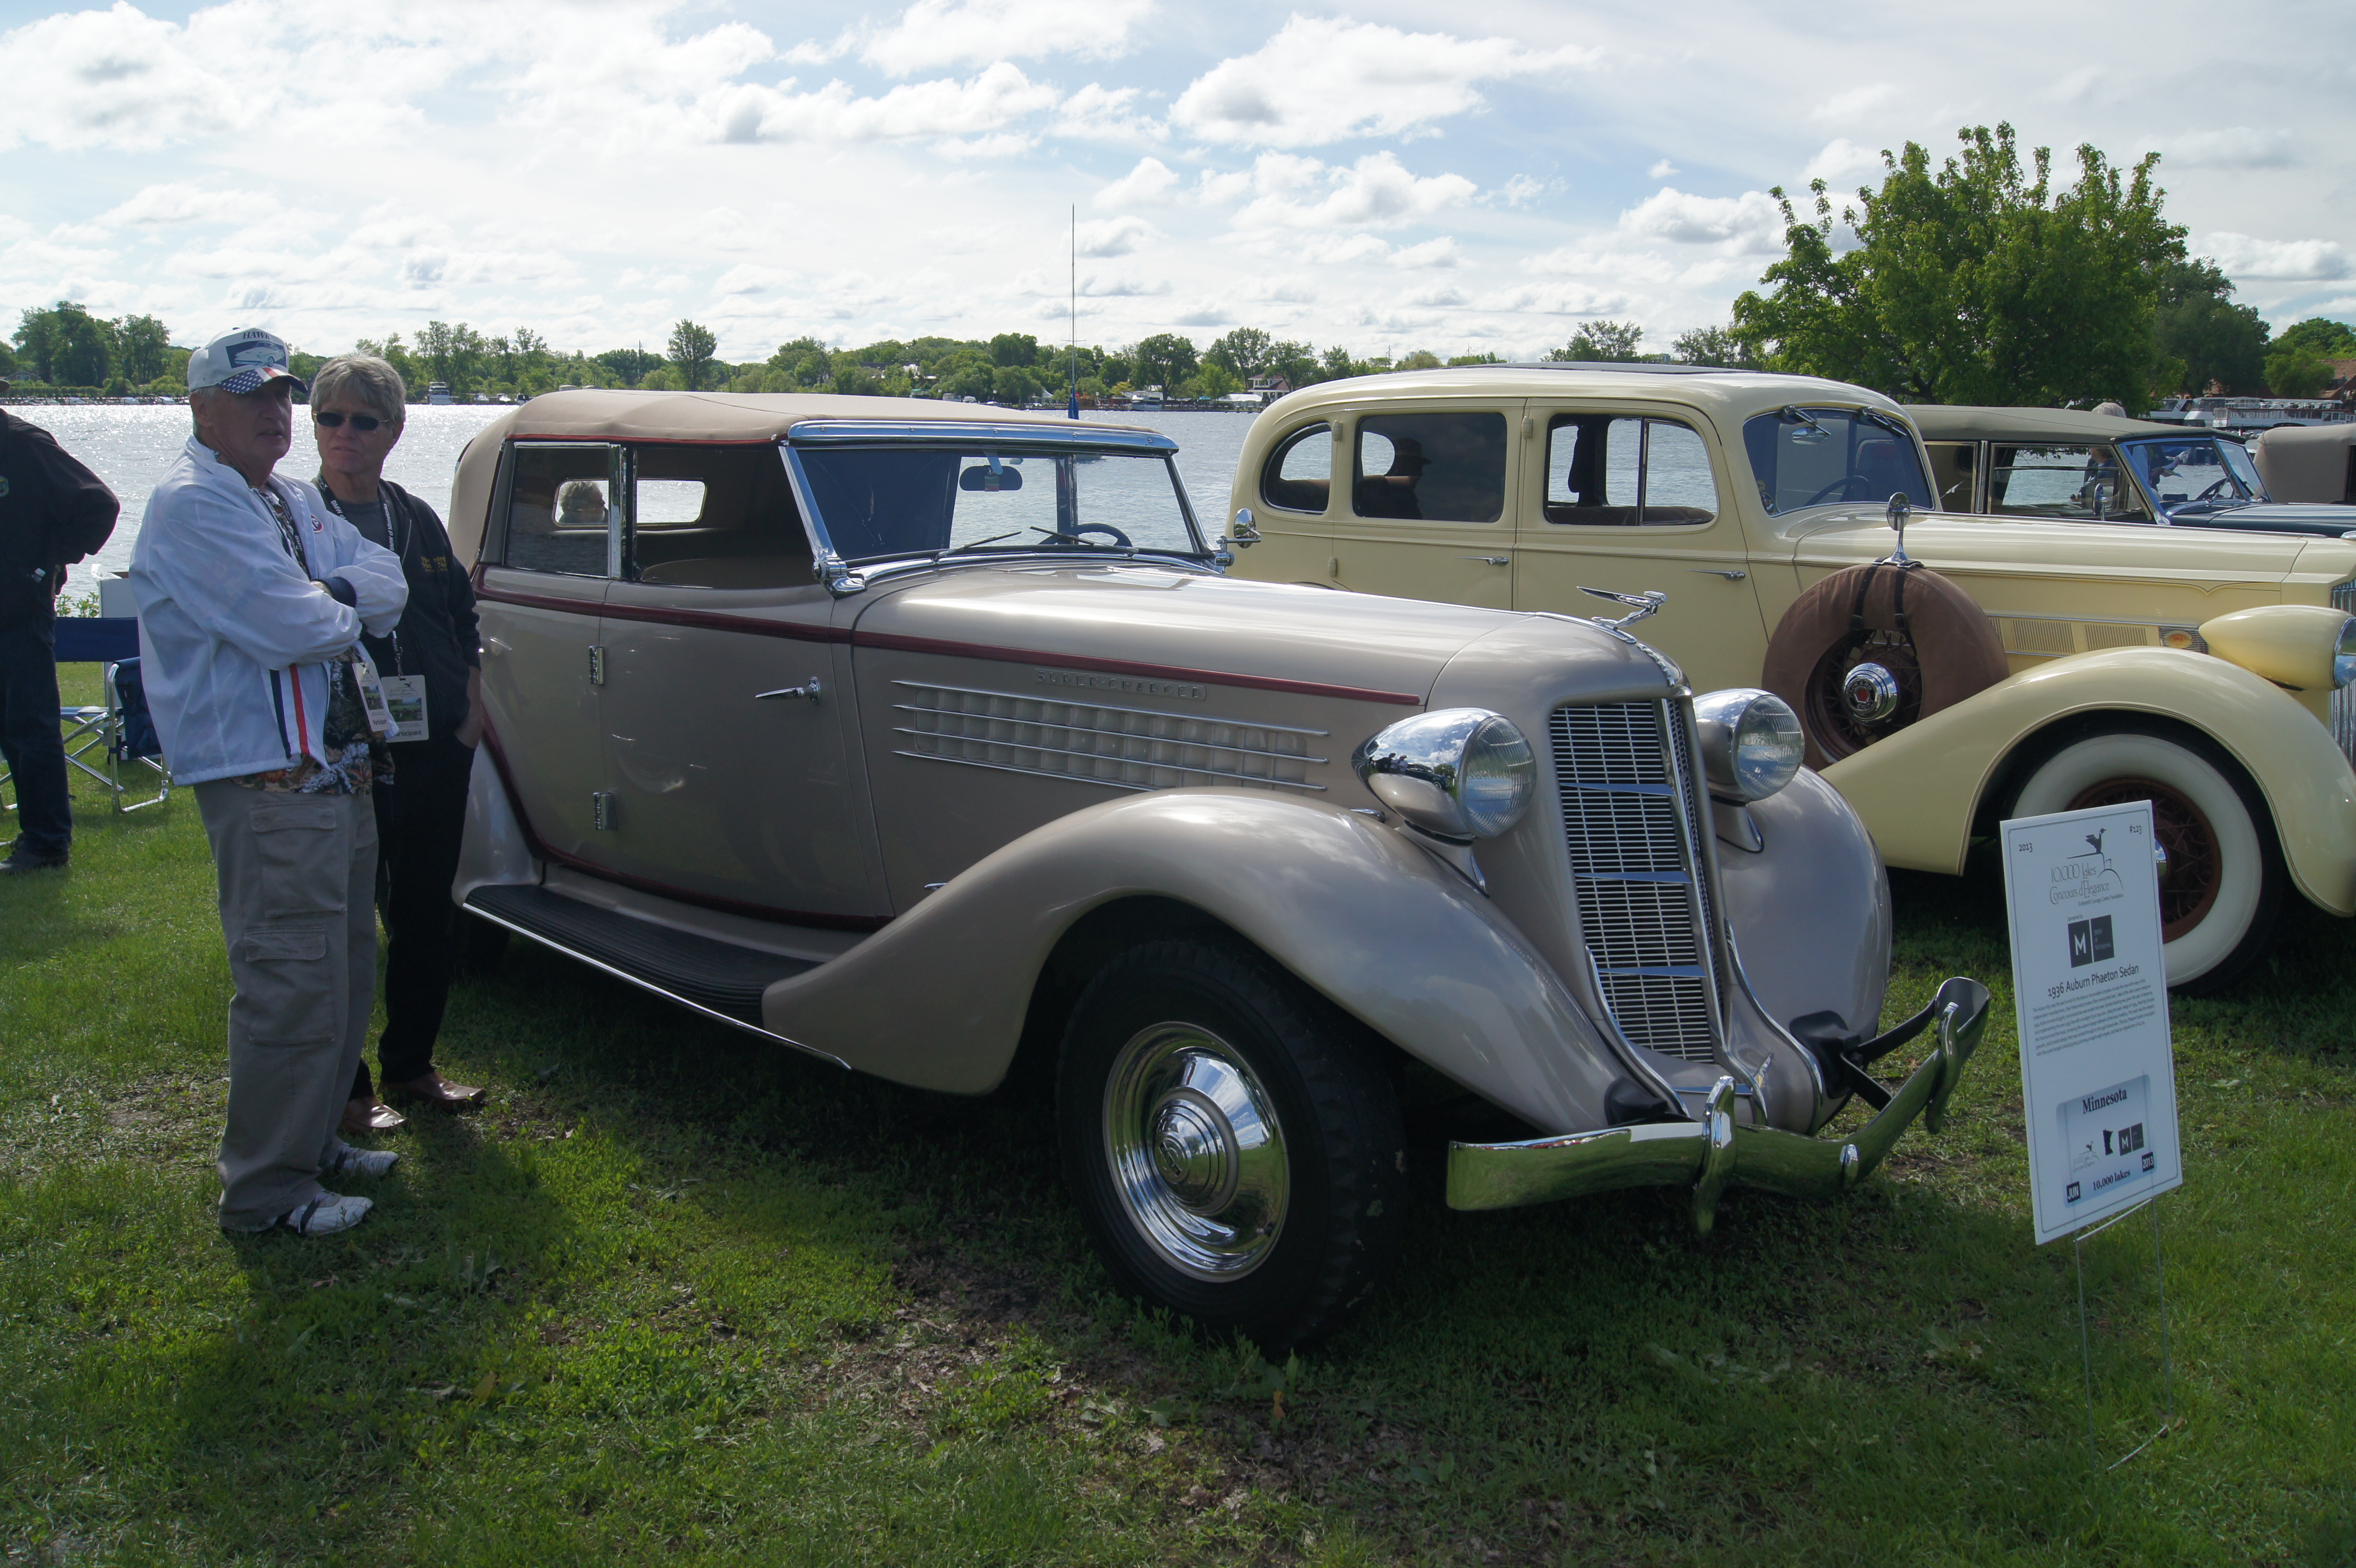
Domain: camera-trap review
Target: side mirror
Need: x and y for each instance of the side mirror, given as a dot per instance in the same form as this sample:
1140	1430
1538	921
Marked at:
1900	511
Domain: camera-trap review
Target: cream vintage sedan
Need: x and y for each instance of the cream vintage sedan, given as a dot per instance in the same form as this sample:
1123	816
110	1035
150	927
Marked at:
915	741
2038	665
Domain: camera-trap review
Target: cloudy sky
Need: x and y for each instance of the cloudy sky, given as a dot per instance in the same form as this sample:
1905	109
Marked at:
1384	176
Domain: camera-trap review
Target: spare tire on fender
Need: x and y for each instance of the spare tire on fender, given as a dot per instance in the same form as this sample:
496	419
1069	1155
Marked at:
1932	644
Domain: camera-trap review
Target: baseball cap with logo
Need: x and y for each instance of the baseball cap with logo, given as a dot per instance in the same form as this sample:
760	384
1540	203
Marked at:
240	361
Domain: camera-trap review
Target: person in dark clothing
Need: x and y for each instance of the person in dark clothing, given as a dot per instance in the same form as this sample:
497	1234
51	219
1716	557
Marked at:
431	673
53	512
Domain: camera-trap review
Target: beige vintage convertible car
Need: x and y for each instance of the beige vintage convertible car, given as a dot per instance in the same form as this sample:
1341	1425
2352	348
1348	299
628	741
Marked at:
912	741
2045	664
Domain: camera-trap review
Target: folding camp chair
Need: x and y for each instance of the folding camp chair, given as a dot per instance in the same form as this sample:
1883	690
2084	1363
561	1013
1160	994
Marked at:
114	742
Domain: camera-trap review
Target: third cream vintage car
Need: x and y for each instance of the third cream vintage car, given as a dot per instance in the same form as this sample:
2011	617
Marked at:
2043	665
911	740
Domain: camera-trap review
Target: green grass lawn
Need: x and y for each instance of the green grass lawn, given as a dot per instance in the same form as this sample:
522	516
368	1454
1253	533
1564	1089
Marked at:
676	1297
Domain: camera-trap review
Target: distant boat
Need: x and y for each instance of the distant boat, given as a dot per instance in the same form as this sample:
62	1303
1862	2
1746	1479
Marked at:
437	392
1145	397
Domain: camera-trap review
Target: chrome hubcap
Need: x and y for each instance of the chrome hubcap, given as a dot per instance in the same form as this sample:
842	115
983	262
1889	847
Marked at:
1871	693
1197	1153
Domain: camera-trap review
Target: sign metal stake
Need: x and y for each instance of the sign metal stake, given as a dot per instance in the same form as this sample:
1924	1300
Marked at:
2085	1341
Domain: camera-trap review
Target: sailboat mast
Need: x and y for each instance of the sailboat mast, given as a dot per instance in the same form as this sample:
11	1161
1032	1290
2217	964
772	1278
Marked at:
1072	408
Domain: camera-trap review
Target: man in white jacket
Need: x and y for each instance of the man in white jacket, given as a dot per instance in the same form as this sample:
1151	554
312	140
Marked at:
253	597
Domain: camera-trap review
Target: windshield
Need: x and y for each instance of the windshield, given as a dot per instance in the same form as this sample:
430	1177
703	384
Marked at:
2195	473
1812	457
877	501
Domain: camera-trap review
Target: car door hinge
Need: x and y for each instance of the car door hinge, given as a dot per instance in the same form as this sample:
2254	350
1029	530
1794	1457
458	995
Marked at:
596	666
601	810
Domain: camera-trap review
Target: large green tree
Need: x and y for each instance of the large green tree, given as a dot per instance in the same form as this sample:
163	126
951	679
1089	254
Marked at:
2201	337
691	348
1713	345
2320	335
1164	360
143	346
454	354
1604	340
629	366
1246	352
67	345
1974	282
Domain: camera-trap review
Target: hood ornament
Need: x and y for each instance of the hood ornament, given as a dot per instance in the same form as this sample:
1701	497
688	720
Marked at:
1647	603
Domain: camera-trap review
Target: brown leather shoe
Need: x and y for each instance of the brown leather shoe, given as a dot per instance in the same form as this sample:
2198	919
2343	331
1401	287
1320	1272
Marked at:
437	1091
370	1115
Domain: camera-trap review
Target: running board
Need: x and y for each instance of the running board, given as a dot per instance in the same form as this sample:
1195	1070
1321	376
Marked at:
718	979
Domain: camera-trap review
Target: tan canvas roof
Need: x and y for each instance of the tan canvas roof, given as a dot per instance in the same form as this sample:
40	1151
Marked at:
2306	462
613	415
1964	422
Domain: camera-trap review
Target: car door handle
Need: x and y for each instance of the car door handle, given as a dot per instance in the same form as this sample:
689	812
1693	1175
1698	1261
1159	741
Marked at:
808	689
1731	575
1492	560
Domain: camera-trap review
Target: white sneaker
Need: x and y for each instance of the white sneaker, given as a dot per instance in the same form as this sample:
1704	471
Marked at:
348	1161
322	1216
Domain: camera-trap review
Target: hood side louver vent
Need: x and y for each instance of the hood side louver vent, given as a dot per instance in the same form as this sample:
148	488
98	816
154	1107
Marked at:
1127	748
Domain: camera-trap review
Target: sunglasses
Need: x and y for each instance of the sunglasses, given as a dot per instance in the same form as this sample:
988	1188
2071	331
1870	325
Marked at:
333	421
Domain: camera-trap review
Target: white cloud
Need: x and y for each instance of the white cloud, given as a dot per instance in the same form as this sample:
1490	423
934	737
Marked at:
2243	256
1662	170
1557	299
1434	256
1521	190
1207	315
1147	185
988	101
1748	224
1842	158
998	145
1121	286
1320	81
1437	294
166	204
933	33
1857	102
1376	192
1115	236
2234	146
1335	250
1098	113
748	278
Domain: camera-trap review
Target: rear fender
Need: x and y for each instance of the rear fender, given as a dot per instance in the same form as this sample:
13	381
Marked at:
938	998
1921	790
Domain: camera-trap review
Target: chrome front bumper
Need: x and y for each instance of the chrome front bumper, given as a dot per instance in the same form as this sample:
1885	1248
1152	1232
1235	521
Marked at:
1712	1153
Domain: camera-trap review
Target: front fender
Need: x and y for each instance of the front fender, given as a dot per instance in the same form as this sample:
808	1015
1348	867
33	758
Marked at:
1920	791
937	998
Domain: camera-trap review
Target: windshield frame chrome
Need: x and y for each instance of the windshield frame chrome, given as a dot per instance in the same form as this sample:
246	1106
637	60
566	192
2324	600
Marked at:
844	576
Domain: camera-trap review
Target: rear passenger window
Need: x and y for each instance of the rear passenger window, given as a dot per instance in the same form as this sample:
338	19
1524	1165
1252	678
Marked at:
1299	472
1607	470
561	511
715	517
1440	467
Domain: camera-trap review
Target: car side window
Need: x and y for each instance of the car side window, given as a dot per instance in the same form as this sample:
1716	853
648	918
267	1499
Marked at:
715	517
1606	470
561	514
1438	467
2080	484
1953	464
1801	458
1299	476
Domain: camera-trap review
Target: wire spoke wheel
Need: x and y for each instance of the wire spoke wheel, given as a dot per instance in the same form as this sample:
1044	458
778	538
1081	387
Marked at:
1837	729
2195	867
1197	1150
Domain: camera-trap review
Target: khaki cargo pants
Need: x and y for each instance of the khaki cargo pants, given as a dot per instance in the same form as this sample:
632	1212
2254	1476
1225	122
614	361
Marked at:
297	874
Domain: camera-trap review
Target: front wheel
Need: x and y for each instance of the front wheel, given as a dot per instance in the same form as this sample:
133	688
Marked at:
1233	1140
2223	889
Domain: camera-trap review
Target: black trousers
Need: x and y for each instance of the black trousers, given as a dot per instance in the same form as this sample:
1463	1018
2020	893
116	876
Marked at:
30	736
420	819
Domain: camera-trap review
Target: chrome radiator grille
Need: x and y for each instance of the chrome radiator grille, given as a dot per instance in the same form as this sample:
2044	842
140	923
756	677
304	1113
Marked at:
2343	701
1631	823
1128	748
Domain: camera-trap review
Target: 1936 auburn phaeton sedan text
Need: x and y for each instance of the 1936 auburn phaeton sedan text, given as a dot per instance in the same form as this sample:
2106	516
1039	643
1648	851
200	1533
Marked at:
912	740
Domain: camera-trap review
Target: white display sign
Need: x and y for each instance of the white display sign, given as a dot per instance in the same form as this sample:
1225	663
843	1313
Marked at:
2090	989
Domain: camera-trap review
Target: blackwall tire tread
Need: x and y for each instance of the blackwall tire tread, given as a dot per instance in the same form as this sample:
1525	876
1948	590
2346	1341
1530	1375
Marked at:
1344	1232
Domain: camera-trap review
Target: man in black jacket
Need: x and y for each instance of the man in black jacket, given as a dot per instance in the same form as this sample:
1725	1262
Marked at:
53	512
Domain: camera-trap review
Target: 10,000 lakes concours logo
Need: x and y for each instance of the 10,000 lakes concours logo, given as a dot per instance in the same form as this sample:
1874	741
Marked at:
2088	877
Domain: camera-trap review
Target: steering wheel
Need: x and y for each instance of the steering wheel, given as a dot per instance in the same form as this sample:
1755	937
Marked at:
1825	494
1079	532
2212	491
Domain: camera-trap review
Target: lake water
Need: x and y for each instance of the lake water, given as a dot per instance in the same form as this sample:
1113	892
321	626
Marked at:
131	448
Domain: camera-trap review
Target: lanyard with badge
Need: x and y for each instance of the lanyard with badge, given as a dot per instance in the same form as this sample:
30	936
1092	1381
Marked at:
403	696
371	691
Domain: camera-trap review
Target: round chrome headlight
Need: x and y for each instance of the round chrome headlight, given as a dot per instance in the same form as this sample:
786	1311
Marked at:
2343	655
1751	743
1461	773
